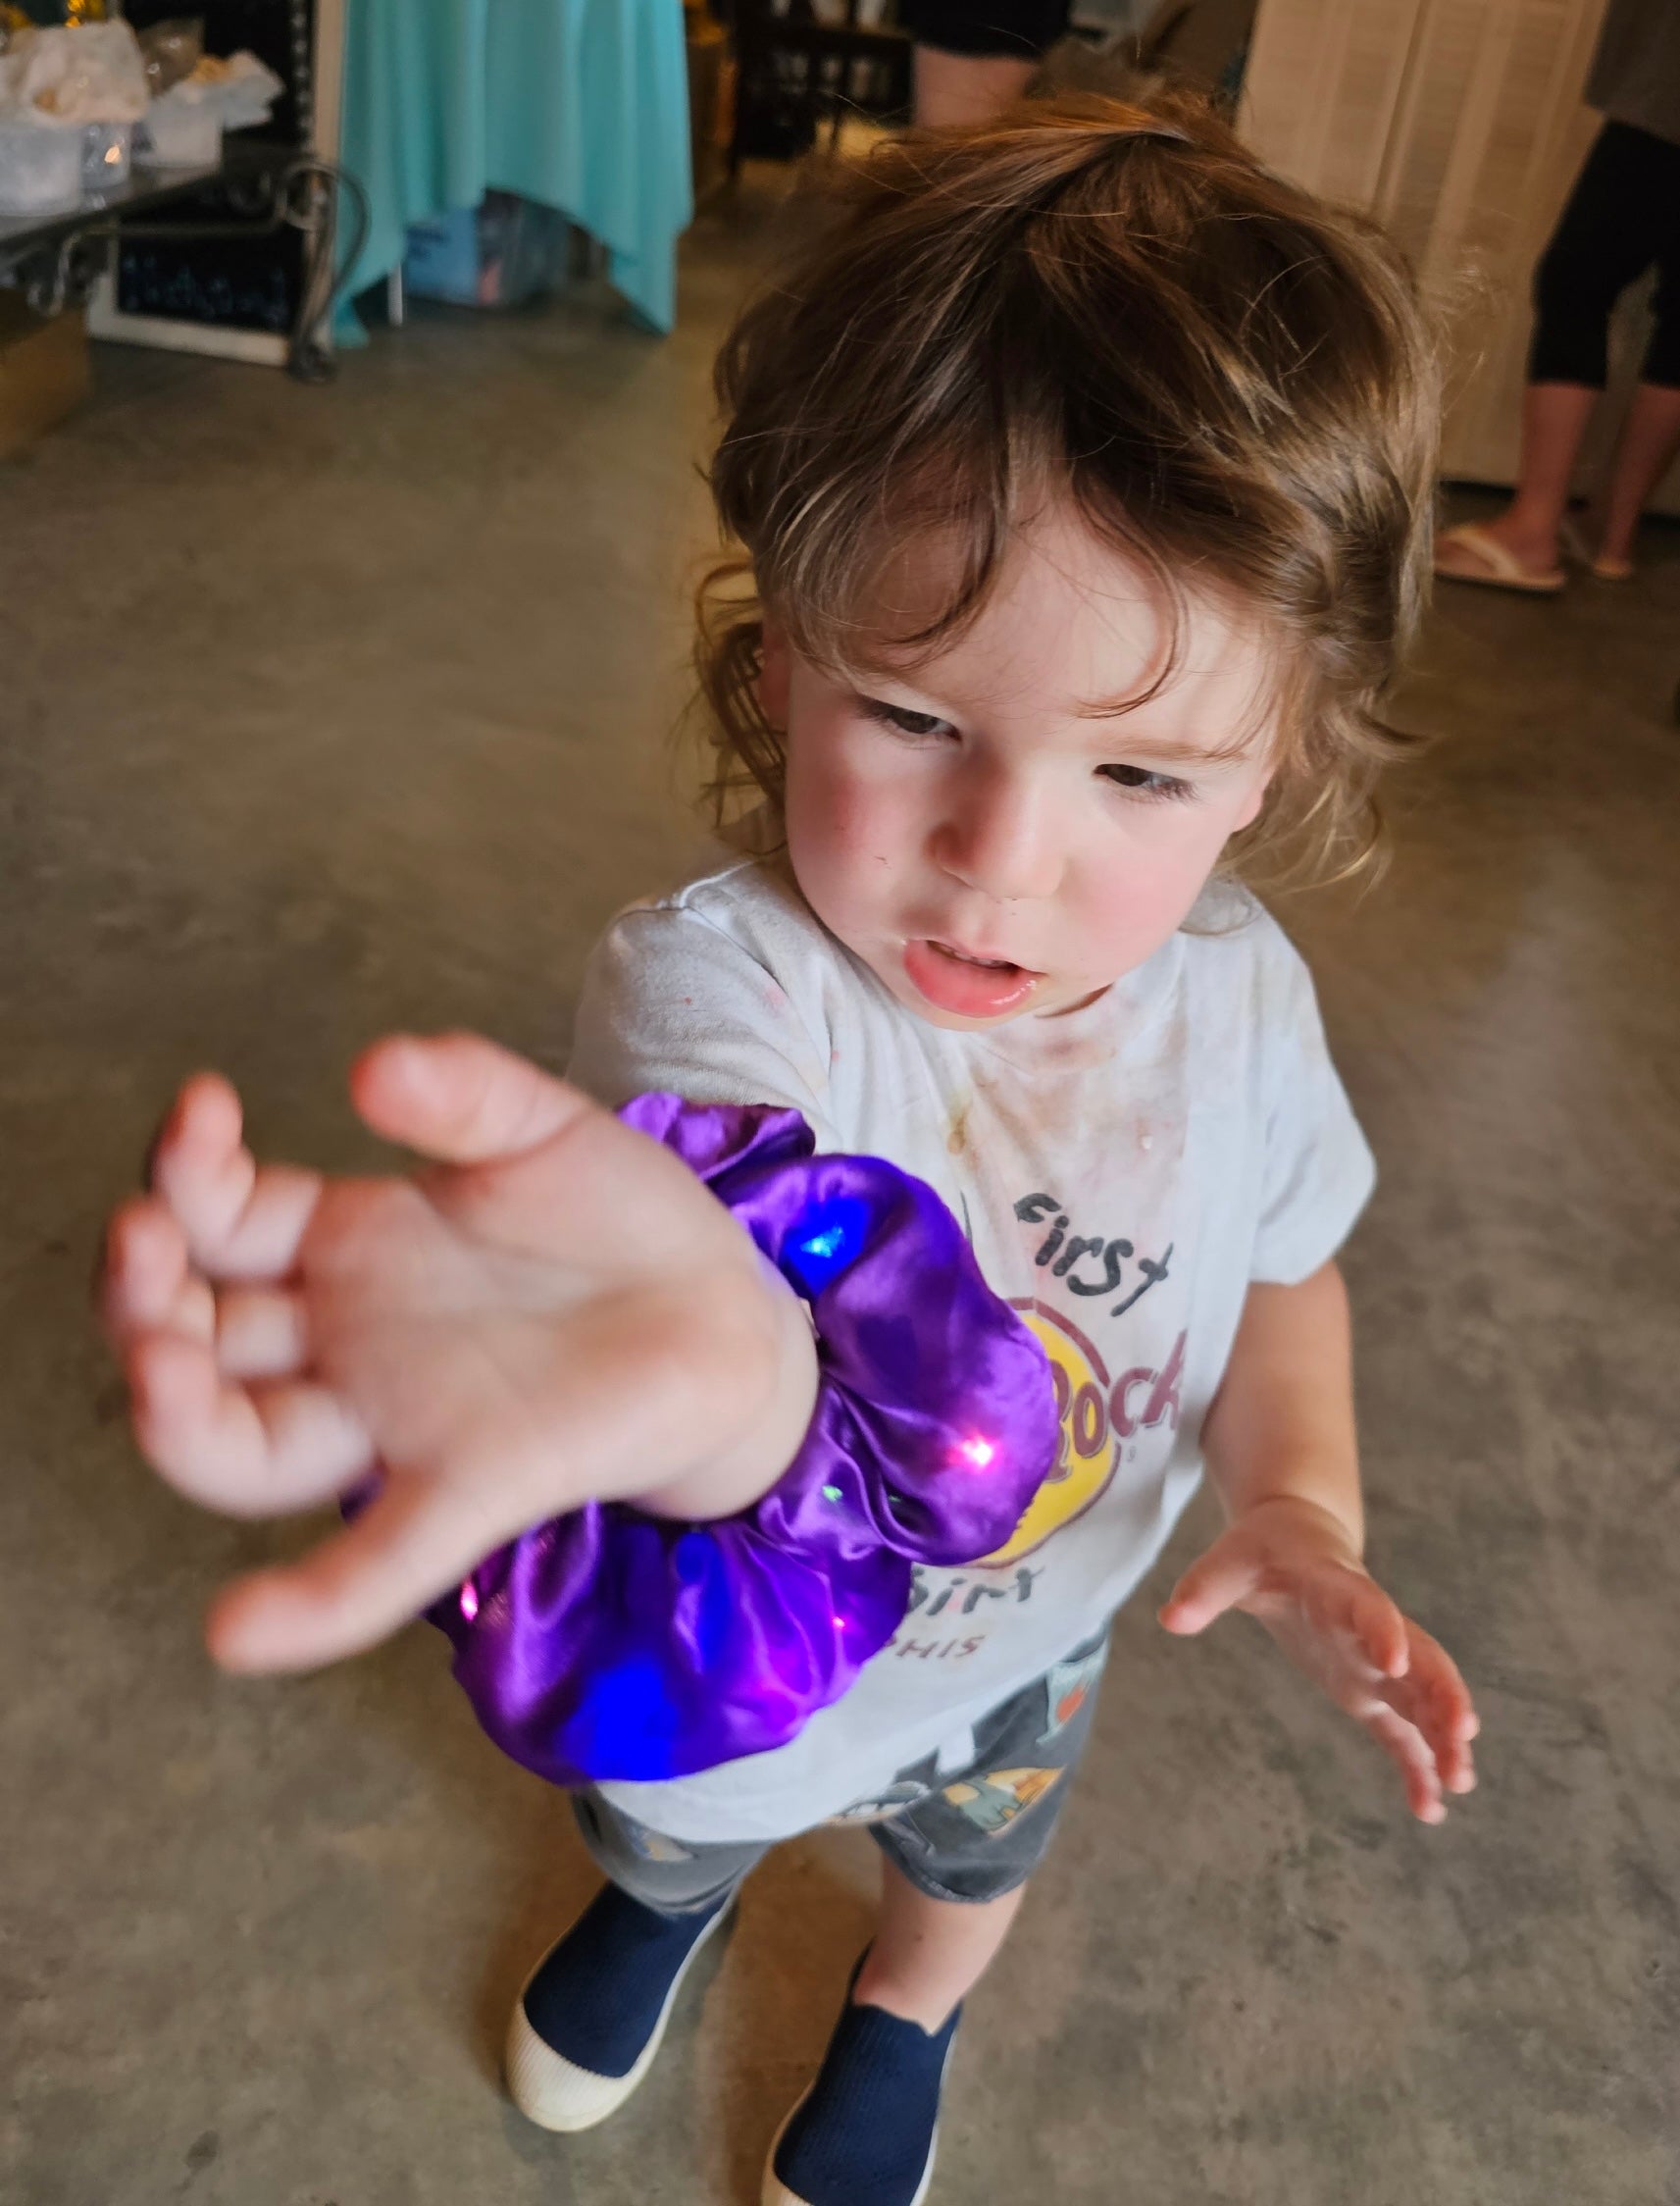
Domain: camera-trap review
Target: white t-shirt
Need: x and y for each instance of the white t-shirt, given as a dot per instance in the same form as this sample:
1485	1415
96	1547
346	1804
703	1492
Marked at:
1123	1172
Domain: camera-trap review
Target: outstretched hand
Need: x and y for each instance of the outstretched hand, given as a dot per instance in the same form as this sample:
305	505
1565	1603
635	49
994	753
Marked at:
556	1310
1293	1566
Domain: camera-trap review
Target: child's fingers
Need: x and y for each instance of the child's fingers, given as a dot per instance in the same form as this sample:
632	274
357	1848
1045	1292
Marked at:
1456	1763
1412	1756
247	1451
241	1221
1381	1628
1435	1698
261	1333
1347	1600
1411	1700
460	1099
145	1283
1453	1760
146	1287
1431	1661
198	1161
413	1542
1228	1573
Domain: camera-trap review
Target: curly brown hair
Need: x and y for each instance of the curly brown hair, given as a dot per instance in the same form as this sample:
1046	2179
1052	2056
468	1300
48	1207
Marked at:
1119	306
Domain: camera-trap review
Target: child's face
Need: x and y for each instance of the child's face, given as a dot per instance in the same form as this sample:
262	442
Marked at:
987	846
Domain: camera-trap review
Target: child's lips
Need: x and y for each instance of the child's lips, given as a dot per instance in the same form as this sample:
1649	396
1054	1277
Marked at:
967	984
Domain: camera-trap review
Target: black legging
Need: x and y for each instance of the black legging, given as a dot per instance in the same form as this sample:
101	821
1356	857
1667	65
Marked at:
1623	215
1008	30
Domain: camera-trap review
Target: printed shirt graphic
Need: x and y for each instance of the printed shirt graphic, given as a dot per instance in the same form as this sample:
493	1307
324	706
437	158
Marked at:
1123	1172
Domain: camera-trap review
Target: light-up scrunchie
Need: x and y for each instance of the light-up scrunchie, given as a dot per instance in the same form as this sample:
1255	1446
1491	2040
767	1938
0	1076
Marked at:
610	1644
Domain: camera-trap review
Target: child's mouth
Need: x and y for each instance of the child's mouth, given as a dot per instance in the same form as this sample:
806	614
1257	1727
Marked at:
964	985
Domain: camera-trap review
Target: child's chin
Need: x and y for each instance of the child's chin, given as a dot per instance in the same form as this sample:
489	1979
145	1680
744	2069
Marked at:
953	1022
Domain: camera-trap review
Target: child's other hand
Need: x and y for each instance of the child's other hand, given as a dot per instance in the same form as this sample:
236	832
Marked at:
1292	1565
559	1311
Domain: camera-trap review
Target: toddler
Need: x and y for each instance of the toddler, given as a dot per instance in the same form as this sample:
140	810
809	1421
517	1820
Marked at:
1081	473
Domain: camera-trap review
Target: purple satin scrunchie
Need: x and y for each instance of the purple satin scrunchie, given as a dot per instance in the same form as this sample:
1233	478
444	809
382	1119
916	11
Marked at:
612	1644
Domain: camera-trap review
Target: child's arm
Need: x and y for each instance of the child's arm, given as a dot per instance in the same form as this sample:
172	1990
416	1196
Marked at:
559	1311
1282	1454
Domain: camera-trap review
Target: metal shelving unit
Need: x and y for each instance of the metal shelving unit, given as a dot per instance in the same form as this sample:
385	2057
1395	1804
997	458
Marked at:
64	260
38	250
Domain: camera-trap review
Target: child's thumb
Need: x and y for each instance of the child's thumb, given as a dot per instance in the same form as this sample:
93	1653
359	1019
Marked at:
460	1099
1215	1582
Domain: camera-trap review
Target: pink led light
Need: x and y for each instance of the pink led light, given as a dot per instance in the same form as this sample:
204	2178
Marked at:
469	1600
977	1450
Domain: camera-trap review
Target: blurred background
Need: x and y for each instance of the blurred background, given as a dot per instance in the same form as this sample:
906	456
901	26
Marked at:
354	366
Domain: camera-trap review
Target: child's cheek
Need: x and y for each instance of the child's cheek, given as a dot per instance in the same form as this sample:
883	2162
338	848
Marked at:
1134	903
840	829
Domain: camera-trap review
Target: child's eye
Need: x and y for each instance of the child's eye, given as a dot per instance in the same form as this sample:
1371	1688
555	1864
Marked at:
906	722
1140	781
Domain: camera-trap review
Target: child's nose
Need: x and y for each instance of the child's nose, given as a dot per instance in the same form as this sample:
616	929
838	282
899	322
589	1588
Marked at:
997	835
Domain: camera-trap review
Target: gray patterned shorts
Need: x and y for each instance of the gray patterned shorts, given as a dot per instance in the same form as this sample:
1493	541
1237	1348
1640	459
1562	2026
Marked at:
969	1835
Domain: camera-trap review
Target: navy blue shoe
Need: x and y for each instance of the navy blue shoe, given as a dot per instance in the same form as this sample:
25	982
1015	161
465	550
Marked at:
593	2015
864	2134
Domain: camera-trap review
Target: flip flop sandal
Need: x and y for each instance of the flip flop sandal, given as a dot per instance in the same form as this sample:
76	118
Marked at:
1502	569
1596	564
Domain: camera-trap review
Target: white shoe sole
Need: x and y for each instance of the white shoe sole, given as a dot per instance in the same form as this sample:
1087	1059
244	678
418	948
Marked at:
556	2093
776	2192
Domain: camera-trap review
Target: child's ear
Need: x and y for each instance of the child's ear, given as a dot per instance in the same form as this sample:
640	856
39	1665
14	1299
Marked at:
774	673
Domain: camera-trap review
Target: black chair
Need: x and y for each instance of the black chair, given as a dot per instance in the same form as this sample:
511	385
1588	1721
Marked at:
793	72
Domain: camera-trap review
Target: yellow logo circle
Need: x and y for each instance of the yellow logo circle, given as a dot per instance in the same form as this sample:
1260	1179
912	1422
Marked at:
1086	1459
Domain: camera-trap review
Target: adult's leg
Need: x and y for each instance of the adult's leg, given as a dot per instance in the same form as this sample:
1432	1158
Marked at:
1555	419
1606	234
1651	435
975	58
1649	441
967	88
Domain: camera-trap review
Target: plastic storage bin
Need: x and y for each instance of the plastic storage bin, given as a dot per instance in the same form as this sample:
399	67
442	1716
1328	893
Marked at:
501	253
40	168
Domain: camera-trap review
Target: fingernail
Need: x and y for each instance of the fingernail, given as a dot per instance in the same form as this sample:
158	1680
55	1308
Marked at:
417	1061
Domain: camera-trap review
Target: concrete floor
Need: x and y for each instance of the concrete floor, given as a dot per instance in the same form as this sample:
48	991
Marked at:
330	711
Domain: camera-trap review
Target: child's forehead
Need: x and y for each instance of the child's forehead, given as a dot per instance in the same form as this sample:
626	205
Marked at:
1071	625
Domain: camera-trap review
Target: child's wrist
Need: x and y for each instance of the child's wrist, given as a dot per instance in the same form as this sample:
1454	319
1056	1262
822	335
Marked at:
774	1393
1326	1516
908	1418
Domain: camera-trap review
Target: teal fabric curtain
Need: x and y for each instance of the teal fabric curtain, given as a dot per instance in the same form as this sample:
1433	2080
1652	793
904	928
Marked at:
580	104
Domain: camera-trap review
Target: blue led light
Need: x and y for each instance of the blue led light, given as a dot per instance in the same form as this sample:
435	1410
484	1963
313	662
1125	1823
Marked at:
626	1725
704	1608
826	1241
692	1556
